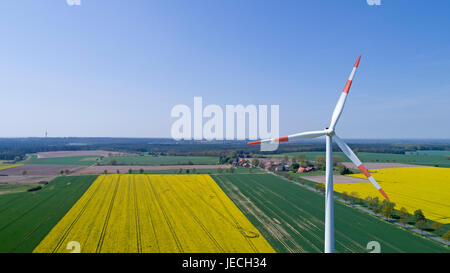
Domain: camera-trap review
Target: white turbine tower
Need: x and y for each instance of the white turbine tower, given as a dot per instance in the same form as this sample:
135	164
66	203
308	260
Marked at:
331	134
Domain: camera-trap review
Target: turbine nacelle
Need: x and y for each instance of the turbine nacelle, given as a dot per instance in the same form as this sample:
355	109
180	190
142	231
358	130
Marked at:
329	132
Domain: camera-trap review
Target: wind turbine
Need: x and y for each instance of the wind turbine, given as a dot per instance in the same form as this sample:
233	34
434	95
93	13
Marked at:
330	134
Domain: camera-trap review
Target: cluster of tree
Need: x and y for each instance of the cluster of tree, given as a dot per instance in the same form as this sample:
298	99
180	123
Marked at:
227	170
387	209
353	197
66	172
231	156
113	162
36	188
255	162
320	187
446	236
319	164
374	204
342	169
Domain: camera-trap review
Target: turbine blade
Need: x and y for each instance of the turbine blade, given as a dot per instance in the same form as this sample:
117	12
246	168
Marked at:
341	102
351	155
304	135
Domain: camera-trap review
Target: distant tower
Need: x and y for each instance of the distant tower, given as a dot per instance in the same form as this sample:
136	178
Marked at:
46	133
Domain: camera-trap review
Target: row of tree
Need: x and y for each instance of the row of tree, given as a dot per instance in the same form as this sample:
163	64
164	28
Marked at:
386	209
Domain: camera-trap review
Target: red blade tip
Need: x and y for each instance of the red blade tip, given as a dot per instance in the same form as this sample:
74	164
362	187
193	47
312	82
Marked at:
357	61
255	142
384	194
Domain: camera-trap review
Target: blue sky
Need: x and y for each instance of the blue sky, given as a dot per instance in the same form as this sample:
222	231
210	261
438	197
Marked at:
116	68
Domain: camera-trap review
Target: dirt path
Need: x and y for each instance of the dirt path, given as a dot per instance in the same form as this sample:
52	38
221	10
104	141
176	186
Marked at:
375	165
337	179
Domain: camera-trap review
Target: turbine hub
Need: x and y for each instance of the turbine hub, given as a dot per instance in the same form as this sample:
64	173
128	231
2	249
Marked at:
330	131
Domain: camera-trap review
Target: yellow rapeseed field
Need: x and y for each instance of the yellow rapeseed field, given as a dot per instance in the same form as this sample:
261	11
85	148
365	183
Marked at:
7	166
425	188
155	213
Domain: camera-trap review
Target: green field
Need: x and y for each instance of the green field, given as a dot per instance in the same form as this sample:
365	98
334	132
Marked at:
70	160
427	158
161	160
18	187
291	218
25	218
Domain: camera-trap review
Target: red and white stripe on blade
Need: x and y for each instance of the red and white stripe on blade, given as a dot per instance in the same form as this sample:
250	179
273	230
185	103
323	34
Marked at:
341	102
351	155
304	135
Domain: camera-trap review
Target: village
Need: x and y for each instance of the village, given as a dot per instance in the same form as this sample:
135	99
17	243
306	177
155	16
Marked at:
276	164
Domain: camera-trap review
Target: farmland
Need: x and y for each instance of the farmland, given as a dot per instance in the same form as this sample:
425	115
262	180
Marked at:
424	188
7	166
155	213
70	160
94	153
170	169
44	170
160	160
291	218
26	218
427	158
206	171
16	187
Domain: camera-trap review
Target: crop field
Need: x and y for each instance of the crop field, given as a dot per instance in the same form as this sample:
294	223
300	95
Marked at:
39	170
155	213
161	160
291	218
427	158
425	188
204	171
124	169
70	160
16	187
95	153
7	166
27	217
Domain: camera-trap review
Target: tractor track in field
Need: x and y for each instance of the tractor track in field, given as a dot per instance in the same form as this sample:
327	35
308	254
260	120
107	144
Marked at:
183	204
166	217
310	223
108	215
27	211
6	207
236	223
233	222
256	198
254	195
28	235
151	217
136	211
69	228
244	203
356	244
